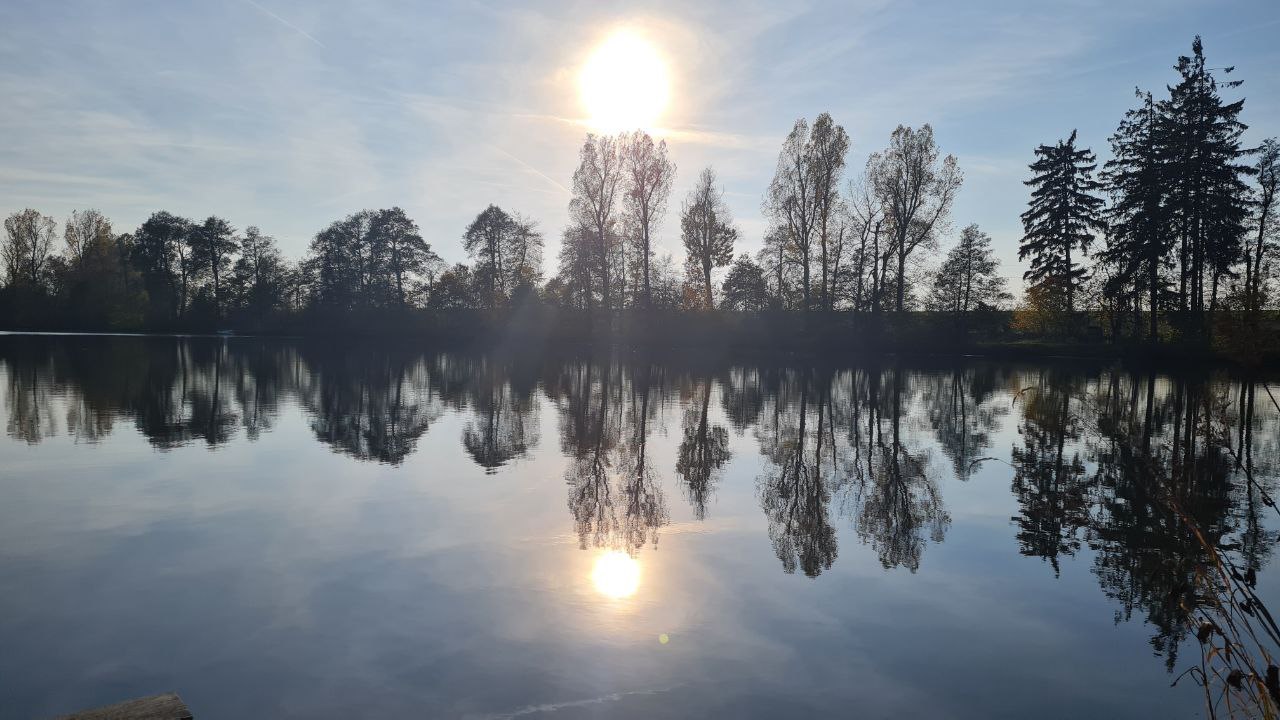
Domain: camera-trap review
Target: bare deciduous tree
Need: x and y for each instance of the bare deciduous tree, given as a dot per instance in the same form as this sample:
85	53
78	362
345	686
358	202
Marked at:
828	145
83	229
868	221
648	175
790	204
28	246
593	208
916	191
1264	240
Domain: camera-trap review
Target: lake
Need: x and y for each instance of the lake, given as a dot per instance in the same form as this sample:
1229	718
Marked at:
337	529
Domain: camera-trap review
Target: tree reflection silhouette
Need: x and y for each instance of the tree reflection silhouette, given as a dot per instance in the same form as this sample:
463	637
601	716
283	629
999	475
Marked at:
1097	456
369	405
603	471
960	414
1049	479
704	449
503	425
901	501
793	489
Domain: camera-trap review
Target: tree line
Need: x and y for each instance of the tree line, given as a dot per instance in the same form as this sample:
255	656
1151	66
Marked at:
1172	221
1181	218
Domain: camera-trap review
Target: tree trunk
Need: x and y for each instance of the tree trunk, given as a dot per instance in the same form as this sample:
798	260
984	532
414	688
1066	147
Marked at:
1071	284
648	292
706	278
806	282
1155	297
902	283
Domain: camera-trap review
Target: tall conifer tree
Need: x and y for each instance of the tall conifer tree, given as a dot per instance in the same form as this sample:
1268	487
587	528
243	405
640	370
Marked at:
1208	196
1138	241
1062	216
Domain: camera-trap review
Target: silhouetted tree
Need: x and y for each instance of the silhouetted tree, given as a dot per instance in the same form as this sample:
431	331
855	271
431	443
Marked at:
870	257
524	250
1138	241
777	261
98	287
1062	216
707	231
593	212
969	278
402	257
792	206
704	449
1265	237
828	145
744	287
454	290
1207	195
648	174
916	191
260	273
212	245
83	229
372	258
487	239
159	251
28	247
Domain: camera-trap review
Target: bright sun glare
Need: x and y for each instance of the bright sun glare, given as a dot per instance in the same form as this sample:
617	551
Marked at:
624	84
616	574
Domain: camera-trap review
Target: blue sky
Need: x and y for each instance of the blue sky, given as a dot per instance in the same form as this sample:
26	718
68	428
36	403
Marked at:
288	114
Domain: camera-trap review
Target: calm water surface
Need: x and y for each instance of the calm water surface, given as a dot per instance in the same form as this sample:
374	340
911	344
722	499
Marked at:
279	529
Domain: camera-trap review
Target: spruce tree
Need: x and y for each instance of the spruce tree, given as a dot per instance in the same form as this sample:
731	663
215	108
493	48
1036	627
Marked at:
1208	196
1061	217
1138	241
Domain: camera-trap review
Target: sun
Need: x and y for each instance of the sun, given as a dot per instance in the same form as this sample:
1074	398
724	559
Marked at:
624	84
616	575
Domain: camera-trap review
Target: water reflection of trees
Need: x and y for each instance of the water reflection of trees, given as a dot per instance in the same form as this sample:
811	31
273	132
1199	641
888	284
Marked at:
615	494
503	425
1048	473
824	434
960	411
1095	458
897	498
795	487
1102	459
704	446
175	392
369	405
1155	440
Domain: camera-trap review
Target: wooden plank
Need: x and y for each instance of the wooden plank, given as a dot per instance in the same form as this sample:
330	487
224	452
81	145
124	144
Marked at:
157	707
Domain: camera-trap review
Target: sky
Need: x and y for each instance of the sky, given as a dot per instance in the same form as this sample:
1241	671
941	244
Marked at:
289	114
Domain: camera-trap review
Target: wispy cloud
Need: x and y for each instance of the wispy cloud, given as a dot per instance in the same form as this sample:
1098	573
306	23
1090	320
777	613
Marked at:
444	108
284	22
564	190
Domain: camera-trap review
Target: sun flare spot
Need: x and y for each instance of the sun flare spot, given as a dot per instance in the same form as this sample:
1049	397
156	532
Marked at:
616	575
624	84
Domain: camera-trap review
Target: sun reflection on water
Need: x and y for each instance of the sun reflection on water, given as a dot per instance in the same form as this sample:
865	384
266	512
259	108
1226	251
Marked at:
616	575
